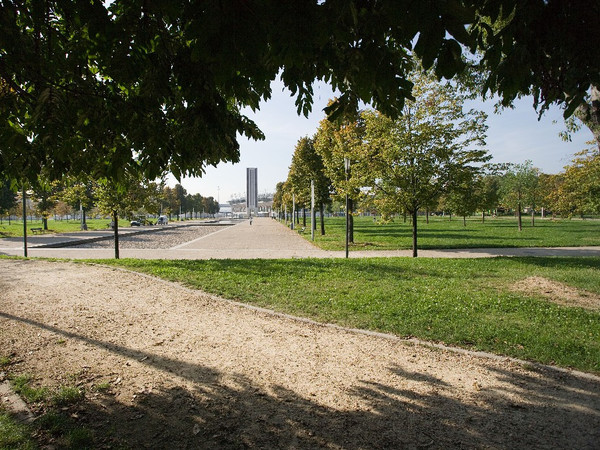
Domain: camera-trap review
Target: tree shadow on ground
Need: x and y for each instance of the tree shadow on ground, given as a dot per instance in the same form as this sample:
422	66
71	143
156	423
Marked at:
204	408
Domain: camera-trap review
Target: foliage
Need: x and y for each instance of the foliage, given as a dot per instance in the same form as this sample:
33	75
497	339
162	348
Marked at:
430	150
307	165
520	187
543	49
577	191
106	88
462	302
8	197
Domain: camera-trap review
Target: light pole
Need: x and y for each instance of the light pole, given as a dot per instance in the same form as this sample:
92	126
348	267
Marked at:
347	170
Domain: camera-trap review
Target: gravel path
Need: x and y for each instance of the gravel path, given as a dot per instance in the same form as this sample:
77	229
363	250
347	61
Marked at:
162	239
189	370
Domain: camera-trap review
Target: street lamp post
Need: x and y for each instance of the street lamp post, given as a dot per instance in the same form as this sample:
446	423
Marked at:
347	170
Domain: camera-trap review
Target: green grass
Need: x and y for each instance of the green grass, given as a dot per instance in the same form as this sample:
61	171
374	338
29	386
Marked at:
67	395
15	229
463	302
54	425
22	386
445	233
14	435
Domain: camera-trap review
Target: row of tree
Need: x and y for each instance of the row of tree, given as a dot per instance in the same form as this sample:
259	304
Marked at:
431	158
125	90
138	199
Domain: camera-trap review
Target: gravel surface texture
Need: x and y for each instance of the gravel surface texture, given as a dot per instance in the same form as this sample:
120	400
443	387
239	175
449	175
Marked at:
161	239
189	370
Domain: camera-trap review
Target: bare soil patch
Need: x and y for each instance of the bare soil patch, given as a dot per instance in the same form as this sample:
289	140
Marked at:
558	292
188	370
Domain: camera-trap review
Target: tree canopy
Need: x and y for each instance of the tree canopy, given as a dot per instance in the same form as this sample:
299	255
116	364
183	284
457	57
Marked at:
102	88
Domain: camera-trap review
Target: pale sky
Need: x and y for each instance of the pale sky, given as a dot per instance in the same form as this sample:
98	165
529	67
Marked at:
513	136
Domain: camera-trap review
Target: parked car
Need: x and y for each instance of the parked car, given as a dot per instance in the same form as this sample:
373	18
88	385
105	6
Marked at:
134	223
162	220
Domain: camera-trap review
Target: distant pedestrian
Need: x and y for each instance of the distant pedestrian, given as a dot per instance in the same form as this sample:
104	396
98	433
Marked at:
250	220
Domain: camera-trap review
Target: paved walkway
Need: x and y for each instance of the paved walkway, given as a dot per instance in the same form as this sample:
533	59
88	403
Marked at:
265	238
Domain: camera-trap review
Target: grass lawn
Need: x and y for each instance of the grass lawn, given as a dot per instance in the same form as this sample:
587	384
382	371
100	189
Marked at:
463	302
444	233
15	229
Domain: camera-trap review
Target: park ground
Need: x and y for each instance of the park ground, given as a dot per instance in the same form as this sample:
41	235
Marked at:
160	365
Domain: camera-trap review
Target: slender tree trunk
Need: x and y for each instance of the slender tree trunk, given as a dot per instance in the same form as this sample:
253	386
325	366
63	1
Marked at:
304	217
404	217
24	221
115	218
427	215
322	219
414	233
533	217
482	216
351	221
45	223
519	223
464	221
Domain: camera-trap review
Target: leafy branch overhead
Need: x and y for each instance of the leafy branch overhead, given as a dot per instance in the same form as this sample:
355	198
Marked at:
106	88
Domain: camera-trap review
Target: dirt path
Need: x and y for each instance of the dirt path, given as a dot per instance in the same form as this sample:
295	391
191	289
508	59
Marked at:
188	370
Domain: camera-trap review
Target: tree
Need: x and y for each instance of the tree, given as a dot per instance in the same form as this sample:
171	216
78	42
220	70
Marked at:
211	205
464	198
488	188
547	49
410	161
8	197
105	88
121	199
278	197
79	194
307	165
519	188
578	188
335	142
44	198
180	195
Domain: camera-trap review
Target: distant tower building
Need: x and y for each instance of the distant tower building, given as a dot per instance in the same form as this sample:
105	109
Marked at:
251	189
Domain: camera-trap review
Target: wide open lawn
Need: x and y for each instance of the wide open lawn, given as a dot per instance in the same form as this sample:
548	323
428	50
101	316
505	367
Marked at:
473	303
441	232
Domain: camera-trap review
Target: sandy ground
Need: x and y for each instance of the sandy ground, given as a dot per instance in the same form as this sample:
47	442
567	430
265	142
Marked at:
188	370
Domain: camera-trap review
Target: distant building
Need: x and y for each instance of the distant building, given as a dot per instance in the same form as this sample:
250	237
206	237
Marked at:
251	189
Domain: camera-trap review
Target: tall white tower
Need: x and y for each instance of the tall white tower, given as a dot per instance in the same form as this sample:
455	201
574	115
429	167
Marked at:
251	189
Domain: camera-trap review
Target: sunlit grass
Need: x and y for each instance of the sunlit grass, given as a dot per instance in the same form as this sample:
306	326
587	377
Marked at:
441	232
462	302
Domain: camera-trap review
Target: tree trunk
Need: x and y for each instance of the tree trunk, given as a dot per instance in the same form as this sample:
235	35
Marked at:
414	233
533	217
520	224
115	218
464	221
304	217
83	220
427	215
322	218
482	216
45	223
351	221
